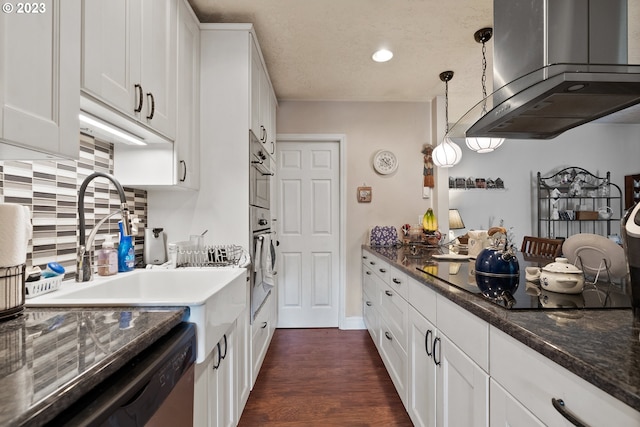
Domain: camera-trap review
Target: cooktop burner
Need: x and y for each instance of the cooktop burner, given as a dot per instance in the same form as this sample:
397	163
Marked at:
529	295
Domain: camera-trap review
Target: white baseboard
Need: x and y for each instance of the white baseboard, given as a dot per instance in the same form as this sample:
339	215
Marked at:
356	322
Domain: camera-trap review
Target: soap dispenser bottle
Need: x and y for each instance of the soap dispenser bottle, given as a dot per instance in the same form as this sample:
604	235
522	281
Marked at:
107	258
126	252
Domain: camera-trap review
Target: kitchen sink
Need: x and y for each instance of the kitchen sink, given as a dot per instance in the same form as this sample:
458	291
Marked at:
215	296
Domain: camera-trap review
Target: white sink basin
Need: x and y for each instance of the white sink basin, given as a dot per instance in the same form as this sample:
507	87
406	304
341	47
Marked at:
215	296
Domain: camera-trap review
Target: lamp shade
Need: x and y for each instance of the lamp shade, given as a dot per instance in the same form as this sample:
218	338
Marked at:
483	145
446	154
455	220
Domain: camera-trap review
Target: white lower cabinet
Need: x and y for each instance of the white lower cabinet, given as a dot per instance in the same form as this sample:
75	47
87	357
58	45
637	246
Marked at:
459	371
535	382
262	331
462	387
222	403
446	387
216	385
422	371
506	411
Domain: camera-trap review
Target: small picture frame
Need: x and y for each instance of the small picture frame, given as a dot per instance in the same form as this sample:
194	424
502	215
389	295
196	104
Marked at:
364	194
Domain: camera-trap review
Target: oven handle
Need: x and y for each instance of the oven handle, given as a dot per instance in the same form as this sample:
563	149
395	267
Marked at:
263	171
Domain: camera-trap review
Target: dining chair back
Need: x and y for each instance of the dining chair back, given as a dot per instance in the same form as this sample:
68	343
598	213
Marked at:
541	247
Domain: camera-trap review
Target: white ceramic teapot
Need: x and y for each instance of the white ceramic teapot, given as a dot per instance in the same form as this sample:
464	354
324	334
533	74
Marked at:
559	276
605	212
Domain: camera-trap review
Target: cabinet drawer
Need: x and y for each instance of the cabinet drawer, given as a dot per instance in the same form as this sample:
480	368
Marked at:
398	280
370	315
370	284
534	380
423	299
379	267
469	332
395	311
260	330
395	360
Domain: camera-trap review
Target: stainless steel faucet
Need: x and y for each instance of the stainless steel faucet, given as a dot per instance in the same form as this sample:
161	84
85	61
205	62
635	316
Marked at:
85	247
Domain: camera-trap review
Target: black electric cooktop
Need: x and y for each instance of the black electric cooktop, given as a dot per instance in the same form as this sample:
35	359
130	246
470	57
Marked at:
529	295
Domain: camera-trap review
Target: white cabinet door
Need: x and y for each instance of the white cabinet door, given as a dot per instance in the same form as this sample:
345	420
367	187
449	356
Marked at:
506	411
254	93
243	359
129	61
422	371
187	143
158	65
462	387
111	52
222	390
39	81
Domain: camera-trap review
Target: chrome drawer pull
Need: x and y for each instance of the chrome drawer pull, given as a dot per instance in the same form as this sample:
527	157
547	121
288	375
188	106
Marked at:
368	273
372	262
388	293
560	407
427	340
369	304
388	335
396	281
435	343
264	325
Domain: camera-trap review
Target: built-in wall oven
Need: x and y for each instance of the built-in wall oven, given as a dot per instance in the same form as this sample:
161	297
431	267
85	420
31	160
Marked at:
260	222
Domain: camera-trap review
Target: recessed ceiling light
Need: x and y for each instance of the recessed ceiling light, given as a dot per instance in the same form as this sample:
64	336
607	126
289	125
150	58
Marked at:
383	55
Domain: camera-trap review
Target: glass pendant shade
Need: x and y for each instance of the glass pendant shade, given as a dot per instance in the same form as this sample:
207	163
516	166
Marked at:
446	154
483	145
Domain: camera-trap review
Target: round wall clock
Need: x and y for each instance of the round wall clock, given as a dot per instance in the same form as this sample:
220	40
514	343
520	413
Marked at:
385	162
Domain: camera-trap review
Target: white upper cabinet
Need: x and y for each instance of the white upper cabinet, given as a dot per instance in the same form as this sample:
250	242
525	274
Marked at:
263	102
174	165
39	80
129	62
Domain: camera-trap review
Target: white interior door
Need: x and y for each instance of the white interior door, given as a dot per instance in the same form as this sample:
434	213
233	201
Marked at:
308	178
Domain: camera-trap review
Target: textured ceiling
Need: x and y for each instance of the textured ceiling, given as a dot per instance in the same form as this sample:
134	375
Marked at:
321	49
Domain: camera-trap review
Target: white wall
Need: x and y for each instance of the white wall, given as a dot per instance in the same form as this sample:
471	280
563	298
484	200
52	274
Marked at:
596	147
400	127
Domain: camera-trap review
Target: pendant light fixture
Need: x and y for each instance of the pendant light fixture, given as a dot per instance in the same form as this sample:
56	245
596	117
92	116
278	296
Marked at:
482	144
447	153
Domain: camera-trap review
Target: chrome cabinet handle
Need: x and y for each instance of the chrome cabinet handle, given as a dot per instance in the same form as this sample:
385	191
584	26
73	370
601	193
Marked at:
372	262
427	340
184	171
368	303
388	293
153	106
264	325
273	148
364	257
368	273
436	342
383	270
560	407
140	97
388	335
396	281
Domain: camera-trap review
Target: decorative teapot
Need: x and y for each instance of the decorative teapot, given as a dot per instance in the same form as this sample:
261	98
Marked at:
605	212
498	260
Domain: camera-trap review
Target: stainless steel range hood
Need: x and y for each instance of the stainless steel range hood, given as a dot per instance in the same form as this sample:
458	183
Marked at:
549	63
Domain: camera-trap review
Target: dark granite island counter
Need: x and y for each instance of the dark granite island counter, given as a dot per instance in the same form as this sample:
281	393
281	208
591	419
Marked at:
602	346
50	357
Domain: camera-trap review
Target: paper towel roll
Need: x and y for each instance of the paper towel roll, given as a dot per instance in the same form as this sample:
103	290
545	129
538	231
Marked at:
15	232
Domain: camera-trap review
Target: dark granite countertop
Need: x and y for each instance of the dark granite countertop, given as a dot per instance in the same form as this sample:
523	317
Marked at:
599	345
50	357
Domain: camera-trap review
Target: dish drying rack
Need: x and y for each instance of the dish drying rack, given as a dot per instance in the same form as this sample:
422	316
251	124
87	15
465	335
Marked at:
211	256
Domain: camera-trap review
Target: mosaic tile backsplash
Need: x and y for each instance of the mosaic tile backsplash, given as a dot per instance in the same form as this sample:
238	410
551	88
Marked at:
50	190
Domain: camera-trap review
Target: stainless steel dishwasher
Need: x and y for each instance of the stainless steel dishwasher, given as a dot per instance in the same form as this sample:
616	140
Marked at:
155	388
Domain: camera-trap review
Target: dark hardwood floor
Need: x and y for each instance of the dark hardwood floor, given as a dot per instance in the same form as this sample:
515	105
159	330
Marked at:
323	377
